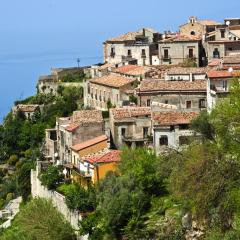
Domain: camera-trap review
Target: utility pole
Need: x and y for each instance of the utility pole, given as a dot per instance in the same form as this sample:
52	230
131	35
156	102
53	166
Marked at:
78	62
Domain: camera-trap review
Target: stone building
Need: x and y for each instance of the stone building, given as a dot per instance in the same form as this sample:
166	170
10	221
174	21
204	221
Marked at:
197	27
48	84
28	110
133	47
177	49
82	126
171	130
218	85
185	95
130	126
186	74
99	92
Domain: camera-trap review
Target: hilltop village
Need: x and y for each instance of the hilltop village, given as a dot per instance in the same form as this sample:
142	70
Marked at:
147	92
150	87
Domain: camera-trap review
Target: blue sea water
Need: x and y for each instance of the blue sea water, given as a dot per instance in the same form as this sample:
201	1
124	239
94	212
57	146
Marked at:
19	73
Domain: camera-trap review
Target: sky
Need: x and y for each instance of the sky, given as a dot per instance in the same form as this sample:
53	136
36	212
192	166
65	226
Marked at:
38	35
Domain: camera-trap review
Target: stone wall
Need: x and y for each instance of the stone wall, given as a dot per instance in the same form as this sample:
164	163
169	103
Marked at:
58	200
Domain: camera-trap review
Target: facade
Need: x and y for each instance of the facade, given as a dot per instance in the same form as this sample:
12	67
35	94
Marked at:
218	85
47	84
185	95
130	126
82	126
29	110
186	74
99	92
171	130
177	49
133	47
197	27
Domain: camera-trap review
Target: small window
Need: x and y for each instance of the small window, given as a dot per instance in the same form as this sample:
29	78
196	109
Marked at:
202	103
193	33
224	82
117	97
190	53
145	132
222	33
165	54
188	104
123	132
163	141
148	102
216	53
88	88
143	53
112	52
129	53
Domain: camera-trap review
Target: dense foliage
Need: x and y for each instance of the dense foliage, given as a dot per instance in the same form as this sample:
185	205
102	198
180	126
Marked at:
39	220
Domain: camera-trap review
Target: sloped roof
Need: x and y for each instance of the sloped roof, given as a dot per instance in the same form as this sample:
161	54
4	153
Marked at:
187	70
89	143
112	80
26	107
209	22
87	116
120	114
133	70
162	85
181	38
173	118
112	156
236	33
220	74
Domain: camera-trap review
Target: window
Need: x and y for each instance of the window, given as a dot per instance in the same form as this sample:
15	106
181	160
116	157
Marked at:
193	33
165	56
216	53
190	53
145	132
88	88
148	103
112	54
163	141
143	53
123	132
166	101
117	97
129	53
188	104
222	33
224	82
202	103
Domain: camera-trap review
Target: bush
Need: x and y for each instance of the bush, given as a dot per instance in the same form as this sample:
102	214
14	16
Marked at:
52	177
10	196
13	160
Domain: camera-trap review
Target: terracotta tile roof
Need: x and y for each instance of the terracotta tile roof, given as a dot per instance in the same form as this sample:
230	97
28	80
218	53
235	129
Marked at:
236	33
209	22
105	66
87	116
134	70
113	81
214	62
173	118
220	74
181	38
26	107
112	156
187	70
72	127
162	85
120	114
130	36
89	143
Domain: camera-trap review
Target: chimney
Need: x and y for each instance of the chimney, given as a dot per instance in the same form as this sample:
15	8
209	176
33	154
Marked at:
144	32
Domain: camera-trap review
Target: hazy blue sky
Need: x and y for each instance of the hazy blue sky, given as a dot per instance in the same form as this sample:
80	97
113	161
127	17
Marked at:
36	35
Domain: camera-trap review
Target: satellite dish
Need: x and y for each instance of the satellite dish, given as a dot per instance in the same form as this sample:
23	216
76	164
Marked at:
227	23
230	69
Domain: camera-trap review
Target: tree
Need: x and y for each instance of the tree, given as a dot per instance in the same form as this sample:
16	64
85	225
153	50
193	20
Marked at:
52	177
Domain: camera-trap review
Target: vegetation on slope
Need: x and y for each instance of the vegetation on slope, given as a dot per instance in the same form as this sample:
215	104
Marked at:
39	220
